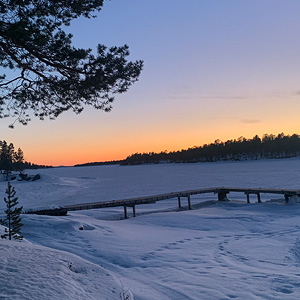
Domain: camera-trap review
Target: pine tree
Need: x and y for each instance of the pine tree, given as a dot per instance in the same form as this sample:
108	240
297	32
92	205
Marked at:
6	158
13	219
19	160
49	74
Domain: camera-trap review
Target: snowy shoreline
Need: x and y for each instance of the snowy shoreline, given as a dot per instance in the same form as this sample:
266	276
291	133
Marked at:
215	251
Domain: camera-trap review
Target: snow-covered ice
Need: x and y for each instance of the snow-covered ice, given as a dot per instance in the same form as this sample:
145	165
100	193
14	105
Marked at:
219	251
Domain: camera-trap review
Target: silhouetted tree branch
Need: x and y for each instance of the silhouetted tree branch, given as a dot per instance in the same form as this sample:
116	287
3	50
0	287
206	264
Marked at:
48	75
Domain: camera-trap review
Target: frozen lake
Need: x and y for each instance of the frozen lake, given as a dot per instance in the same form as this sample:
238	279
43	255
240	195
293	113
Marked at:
72	185
216	251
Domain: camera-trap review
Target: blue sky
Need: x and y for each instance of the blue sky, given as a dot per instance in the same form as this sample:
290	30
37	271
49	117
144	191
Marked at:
213	70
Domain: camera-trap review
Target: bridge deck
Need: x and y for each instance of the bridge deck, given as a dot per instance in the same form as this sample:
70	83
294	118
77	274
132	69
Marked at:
138	200
132	202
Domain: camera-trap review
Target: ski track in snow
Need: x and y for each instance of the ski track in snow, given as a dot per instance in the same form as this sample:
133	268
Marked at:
216	251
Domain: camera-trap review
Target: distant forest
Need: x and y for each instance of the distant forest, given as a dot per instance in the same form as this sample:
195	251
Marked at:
11	160
90	164
269	146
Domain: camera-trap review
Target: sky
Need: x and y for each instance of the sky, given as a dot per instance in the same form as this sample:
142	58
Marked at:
213	69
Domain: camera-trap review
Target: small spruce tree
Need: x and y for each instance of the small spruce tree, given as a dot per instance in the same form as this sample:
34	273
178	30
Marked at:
13	219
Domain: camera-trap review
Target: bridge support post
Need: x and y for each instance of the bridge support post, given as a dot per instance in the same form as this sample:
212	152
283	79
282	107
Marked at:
286	197
258	198
222	196
125	212
133	210
189	201
248	197
179	202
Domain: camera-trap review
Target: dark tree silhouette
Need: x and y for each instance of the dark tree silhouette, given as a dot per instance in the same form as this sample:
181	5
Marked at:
19	160
270	146
11	160
48	74
6	158
12	219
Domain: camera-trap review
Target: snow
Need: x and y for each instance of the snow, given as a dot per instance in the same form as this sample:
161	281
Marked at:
229	250
34	272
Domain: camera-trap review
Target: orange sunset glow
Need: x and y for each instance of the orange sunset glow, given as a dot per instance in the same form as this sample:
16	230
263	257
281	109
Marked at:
212	70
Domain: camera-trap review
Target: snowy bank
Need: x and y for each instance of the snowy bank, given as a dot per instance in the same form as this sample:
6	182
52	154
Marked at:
32	272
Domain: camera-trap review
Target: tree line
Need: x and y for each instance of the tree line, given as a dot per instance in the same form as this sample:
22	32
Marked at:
269	146
102	163
11	160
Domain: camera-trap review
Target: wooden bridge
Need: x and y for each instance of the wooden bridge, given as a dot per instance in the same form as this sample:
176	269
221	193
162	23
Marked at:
132	202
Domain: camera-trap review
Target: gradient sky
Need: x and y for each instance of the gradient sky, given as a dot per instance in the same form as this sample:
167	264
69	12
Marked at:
214	69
